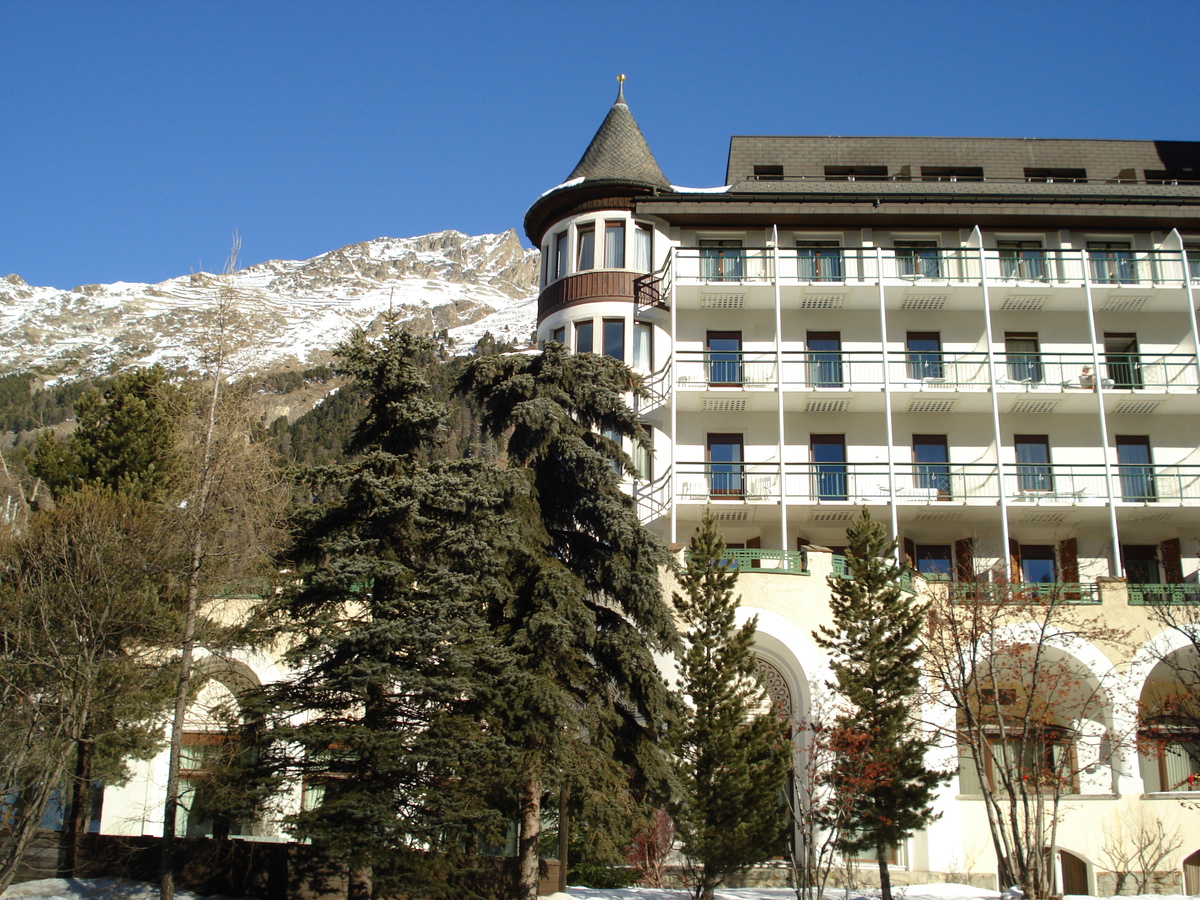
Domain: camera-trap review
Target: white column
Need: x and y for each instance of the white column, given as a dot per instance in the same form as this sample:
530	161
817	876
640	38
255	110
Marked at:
1115	564
887	403
991	358
783	518
670	270
1191	304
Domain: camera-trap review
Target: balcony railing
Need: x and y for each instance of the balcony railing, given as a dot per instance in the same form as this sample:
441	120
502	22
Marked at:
927	370
942	265
776	562
1151	594
927	483
1085	594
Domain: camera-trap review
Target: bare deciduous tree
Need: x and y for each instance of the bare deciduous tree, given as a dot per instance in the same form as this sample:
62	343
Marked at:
1028	717
227	509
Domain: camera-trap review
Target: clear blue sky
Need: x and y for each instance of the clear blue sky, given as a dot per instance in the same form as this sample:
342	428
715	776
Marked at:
135	136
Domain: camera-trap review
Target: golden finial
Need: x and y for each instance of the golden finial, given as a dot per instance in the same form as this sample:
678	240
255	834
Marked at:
621	79
620	88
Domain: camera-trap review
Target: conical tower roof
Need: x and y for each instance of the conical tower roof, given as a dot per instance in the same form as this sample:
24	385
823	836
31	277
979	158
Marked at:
618	152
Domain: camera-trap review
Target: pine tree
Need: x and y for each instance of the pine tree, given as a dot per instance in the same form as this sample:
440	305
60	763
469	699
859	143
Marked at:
876	661
396	663
734	754
587	611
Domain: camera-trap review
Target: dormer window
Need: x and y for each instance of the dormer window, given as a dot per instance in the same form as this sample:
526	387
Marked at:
856	173
951	173
1050	176
768	173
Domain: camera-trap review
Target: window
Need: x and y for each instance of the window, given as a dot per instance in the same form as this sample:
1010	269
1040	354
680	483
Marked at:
951	173
1172	176
560	254
587	248
546	265
768	173
1170	758
931	464
583	336
825	359
723	357
721	260
559	335
924	354
819	261
614	338
643	346
614	435
1141	563
1024	357
934	561
1038	564
1022	260
643	248
643	455
1069	176
1111	262
1035	760
918	259
1033	464
202	755
614	245
1122	361
725	466
1135	468
856	173
829	466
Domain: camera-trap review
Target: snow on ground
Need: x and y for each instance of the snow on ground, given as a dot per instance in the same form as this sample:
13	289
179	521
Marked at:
91	889
116	889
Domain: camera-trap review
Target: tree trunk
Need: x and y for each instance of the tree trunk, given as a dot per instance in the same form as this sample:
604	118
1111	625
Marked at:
527	851
76	824
564	833
885	876
171	806
359	884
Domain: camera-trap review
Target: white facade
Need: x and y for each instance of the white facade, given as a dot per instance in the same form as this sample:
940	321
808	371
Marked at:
1005	372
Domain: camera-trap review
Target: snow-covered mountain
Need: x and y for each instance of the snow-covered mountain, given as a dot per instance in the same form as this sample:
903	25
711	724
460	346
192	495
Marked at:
298	310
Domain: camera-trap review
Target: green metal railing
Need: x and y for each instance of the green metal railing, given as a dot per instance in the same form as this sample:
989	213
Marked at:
1059	591
839	571
1151	594
774	562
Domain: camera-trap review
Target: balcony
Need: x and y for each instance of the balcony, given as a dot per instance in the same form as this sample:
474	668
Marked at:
775	562
935	265
854	370
1152	594
1083	594
925	484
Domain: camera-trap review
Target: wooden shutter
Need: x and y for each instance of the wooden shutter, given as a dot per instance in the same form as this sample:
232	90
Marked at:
754	543
910	553
1172	561
1068	566
964	560
1014	559
1068	560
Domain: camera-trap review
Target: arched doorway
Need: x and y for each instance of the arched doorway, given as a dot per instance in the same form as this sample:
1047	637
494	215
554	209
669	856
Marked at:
1191	874
1073	874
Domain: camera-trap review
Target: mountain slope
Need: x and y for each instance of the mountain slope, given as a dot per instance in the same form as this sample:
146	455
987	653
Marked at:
298	309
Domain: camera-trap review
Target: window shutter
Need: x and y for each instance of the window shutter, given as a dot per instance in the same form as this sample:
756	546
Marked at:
964	560
910	553
1068	560
1014	558
1172	561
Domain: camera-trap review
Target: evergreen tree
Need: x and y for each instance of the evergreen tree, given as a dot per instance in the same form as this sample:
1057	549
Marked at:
876	663
734	753
397	667
587	612
126	439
